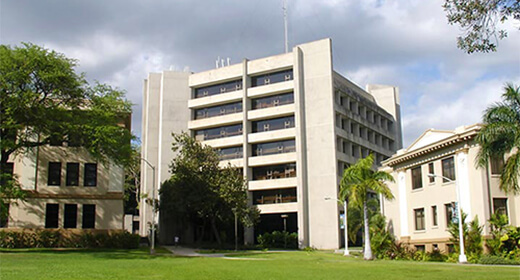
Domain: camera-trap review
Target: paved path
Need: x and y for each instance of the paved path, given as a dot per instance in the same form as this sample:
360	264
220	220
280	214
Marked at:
190	252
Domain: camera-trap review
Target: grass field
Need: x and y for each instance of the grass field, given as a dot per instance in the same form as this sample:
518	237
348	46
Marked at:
137	264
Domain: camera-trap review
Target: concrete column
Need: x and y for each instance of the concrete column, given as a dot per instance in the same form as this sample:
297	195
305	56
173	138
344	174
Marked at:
462	177
403	203
249	232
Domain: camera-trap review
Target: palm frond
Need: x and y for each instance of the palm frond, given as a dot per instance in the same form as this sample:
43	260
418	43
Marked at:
510	174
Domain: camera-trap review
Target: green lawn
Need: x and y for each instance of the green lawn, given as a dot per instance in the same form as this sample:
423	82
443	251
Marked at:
137	264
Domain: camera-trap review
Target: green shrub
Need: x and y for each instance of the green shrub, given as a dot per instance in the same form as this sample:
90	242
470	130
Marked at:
436	256
489	259
51	238
279	240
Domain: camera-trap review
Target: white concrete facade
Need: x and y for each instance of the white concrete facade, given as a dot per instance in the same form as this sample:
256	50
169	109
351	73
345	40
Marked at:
419	214
317	121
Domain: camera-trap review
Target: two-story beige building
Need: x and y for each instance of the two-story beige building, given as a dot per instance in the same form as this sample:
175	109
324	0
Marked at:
289	121
424	205
66	188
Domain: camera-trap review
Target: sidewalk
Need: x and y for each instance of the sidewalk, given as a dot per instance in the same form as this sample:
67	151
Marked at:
190	252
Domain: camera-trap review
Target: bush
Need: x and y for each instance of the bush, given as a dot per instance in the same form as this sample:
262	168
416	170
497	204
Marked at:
51	238
488	259
279	240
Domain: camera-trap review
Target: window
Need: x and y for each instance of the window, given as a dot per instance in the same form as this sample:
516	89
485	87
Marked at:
218	132
54	176
51	215
89	216
419	219
431	170
70	216
497	165
4	216
416	178
448	169
434	216
274	171
218	110
273	101
271	148
274	196
90	178
72	174
218	89
500	206
450	212
272	78
273	124
230	153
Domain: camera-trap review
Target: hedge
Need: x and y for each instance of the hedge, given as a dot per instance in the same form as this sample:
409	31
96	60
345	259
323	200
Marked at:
63	238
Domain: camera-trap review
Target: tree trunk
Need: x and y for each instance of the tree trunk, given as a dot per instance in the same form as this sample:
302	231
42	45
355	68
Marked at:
368	248
215	231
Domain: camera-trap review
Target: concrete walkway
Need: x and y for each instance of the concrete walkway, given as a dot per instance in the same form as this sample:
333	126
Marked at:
190	252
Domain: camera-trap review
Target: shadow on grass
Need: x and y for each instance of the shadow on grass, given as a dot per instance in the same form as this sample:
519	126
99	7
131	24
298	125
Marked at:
140	253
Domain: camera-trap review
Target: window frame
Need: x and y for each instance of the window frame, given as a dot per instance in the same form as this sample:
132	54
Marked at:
419	220
417	183
448	170
435	216
54	174
69	182
86	174
86	220
52	222
70	216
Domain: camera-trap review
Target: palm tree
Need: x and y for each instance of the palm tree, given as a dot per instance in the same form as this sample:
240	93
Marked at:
358	181
500	135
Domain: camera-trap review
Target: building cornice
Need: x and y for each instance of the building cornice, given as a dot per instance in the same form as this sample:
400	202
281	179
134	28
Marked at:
107	196
457	138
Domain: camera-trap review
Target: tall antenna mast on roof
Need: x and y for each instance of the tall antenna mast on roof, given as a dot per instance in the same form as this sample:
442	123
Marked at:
284	8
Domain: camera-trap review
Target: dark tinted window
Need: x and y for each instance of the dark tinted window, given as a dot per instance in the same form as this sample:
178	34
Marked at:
218	132
448	169
272	78
4	216
274	171
272	101
274	196
416	178
90	178
89	216
72	174
287	146
218	110
70	216
54	176
273	124
218	89
51	215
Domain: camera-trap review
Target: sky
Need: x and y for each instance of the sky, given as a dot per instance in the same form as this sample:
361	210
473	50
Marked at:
406	43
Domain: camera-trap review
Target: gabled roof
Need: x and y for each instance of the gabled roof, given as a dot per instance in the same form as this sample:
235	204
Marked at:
432	140
430	136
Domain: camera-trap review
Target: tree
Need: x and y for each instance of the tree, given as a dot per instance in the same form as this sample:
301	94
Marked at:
500	136
200	192
43	100
472	234
478	20
359	180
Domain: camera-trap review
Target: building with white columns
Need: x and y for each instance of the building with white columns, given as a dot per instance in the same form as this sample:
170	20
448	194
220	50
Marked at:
289	121
424	205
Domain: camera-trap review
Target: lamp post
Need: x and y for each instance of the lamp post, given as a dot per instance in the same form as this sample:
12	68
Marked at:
462	256
346	252
152	248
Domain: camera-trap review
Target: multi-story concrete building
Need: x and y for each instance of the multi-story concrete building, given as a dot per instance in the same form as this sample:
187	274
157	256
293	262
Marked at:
289	121
425	205
66	188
